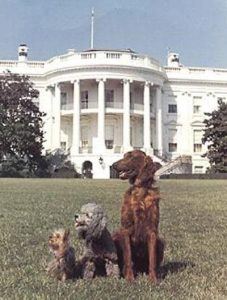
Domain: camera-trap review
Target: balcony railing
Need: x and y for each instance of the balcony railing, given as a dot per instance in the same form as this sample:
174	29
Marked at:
86	149
114	104
67	106
136	106
89	105
94	104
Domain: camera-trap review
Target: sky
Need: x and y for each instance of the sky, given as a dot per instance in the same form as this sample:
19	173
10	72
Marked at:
196	29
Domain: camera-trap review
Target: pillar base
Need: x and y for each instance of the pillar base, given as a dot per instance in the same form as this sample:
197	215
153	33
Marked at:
125	149
148	150
74	151
98	146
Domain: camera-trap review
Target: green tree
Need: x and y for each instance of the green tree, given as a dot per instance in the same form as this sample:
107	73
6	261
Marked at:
215	136
21	134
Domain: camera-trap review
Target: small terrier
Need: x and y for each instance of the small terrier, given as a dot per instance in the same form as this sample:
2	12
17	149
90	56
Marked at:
63	265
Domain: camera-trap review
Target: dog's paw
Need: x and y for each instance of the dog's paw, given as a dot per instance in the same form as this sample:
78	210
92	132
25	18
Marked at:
129	276
153	278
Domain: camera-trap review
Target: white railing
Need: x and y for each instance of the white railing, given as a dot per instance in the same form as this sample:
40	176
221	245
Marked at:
114	104
87	149
89	105
195	70
72	59
136	106
104	57
67	106
8	64
35	64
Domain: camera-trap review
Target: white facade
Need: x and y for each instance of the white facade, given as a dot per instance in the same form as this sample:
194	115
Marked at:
102	103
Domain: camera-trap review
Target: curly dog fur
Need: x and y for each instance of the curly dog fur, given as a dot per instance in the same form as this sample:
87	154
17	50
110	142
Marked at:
139	248
100	256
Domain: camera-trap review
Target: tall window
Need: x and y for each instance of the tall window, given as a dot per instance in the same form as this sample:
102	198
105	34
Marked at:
197	105
84	136
63	146
84	99
63	100
197	143
172	137
109	136
109	97
172	147
172	108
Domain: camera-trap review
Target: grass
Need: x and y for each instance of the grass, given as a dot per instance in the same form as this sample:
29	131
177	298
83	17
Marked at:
193	222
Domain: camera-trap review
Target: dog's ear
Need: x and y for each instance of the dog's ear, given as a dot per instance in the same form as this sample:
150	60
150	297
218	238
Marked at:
146	174
97	226
66	235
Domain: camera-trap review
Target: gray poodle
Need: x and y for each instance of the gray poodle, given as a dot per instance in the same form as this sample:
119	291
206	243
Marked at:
100	255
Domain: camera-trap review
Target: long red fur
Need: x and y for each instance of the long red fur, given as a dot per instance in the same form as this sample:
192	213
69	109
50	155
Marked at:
140	250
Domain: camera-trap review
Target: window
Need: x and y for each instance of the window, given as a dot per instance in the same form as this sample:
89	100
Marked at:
109	136
151	102
84	143
197	104
84	99
109	144
198	169
84	136
197	141
109	96
197	148
172	147
63	100
172	108
196	109
63	146
172	137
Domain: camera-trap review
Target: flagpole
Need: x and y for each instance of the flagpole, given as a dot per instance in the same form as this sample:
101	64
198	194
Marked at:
92	28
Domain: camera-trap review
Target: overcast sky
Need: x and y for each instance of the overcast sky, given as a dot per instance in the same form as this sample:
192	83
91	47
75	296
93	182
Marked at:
197	29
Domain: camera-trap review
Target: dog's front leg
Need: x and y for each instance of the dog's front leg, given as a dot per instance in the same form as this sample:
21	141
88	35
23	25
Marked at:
88	270
112	269
127	256
152	246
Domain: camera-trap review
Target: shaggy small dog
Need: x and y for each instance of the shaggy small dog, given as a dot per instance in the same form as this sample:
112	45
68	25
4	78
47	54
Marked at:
62	266
100	256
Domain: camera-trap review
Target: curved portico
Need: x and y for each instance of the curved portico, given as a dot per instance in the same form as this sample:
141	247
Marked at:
101	100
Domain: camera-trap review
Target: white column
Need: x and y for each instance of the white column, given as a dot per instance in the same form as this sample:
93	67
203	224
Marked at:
126	116
50	99
159	120
76	118
101	115
185	145
147	118
57	118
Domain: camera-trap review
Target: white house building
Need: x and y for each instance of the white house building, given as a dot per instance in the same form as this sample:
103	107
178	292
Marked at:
101	103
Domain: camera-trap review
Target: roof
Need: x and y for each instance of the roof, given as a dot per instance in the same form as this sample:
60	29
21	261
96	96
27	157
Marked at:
128	50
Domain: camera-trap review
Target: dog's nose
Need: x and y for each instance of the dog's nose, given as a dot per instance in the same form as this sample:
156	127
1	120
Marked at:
76	216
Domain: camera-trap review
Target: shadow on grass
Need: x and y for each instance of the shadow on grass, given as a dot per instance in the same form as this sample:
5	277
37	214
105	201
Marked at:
174	267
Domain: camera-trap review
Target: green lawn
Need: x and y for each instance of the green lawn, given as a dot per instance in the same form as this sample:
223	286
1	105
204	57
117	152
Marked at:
193	222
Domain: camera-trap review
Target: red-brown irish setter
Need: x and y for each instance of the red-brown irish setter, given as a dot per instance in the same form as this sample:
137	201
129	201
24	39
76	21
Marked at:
140	250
